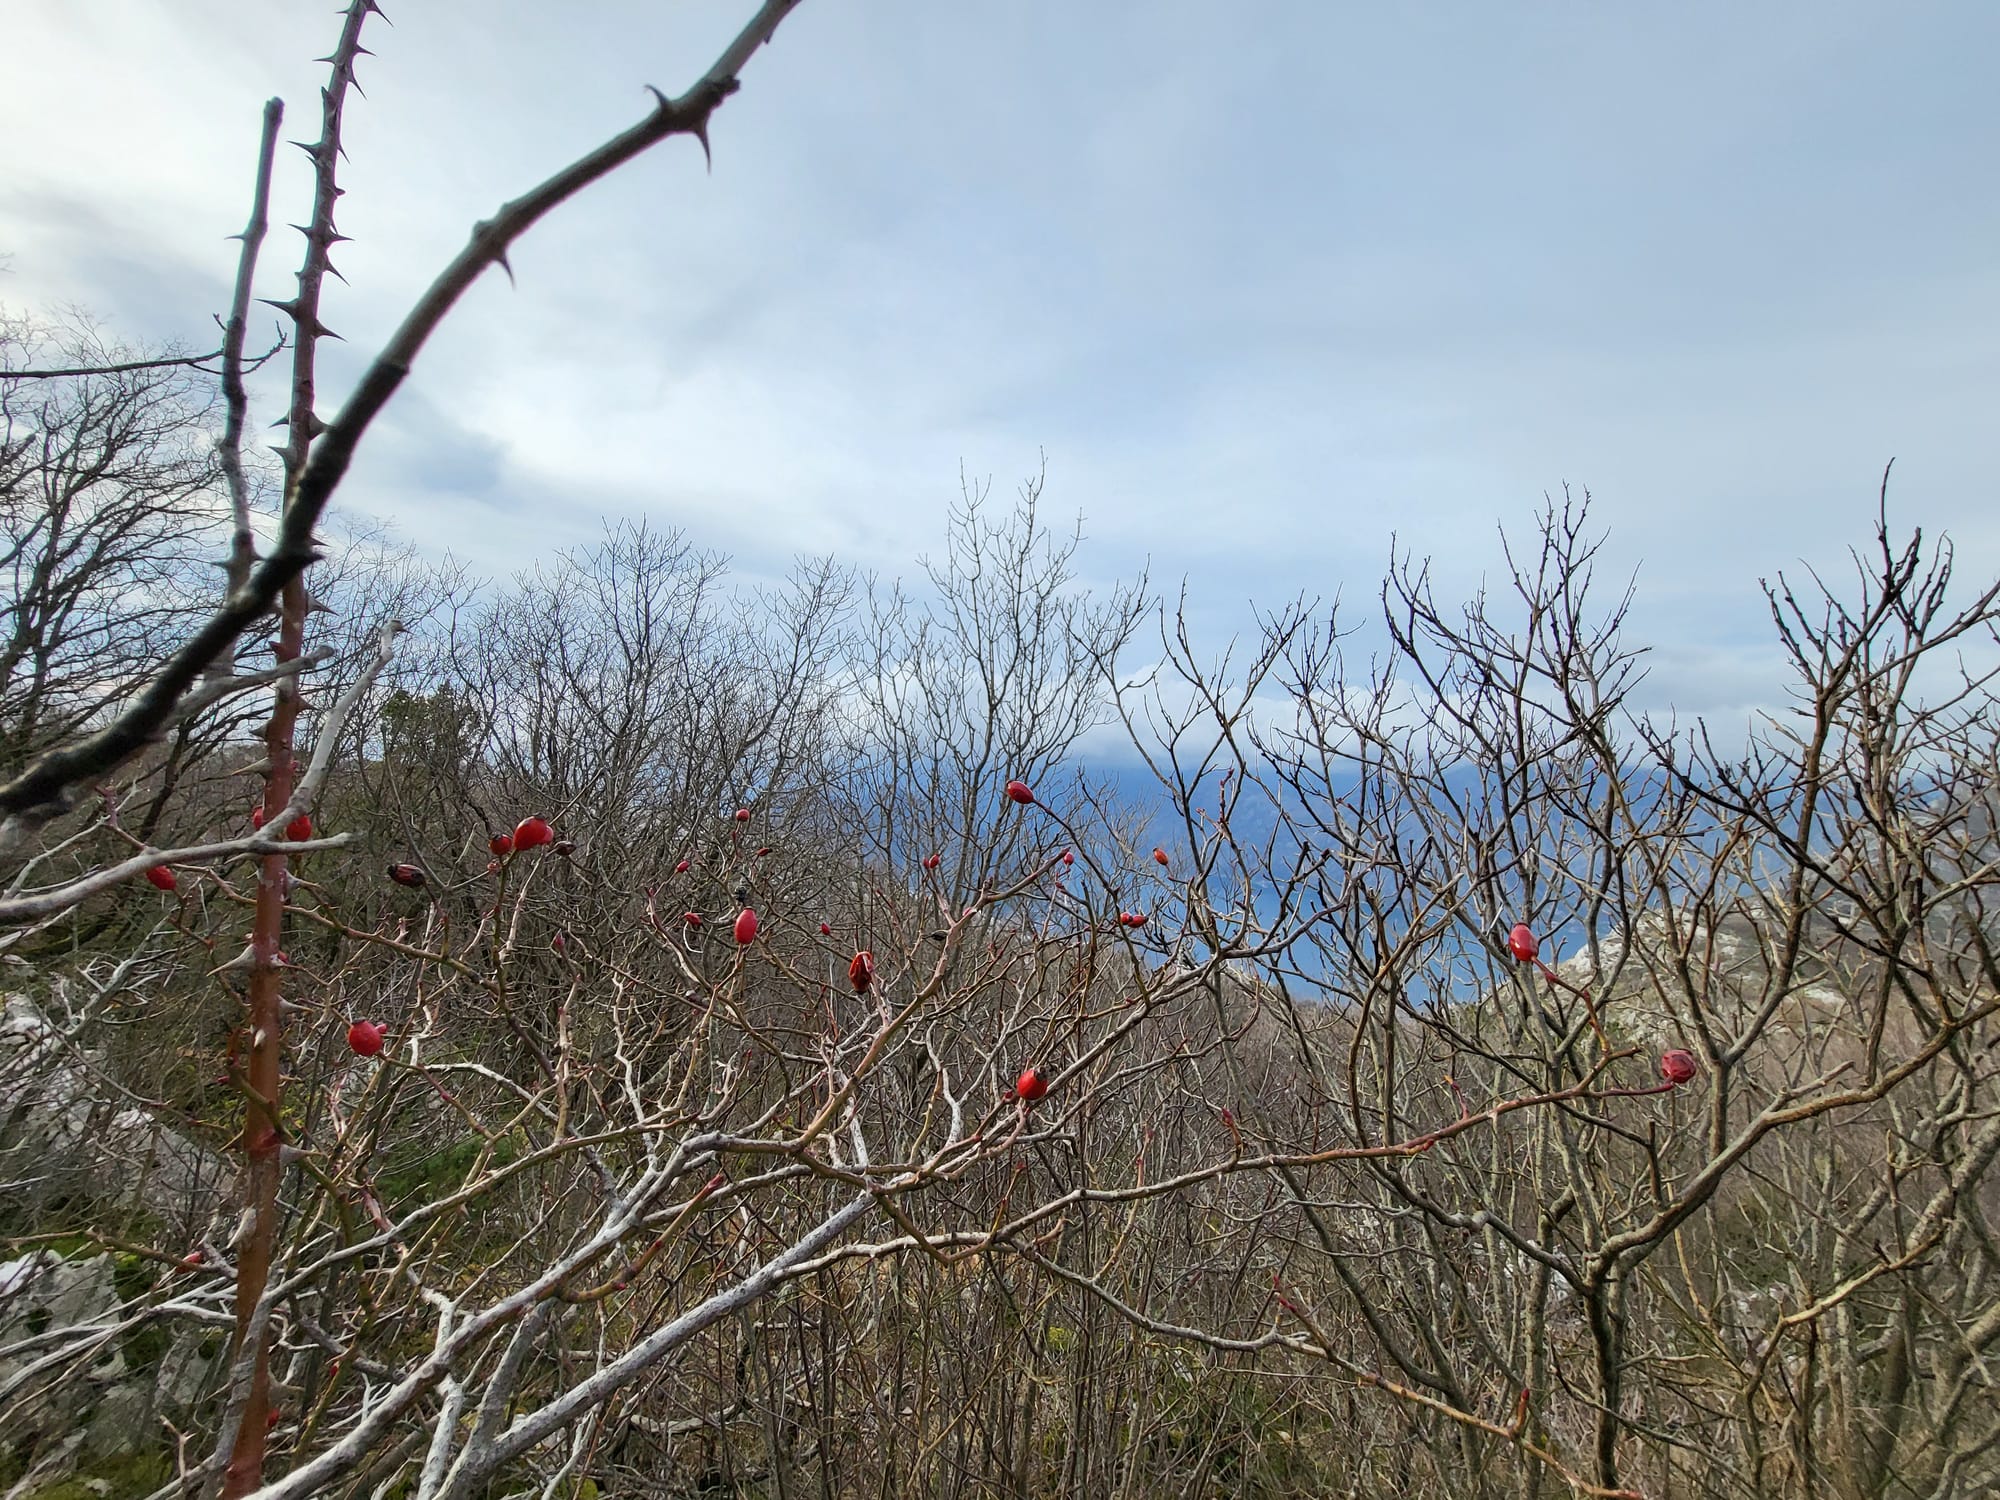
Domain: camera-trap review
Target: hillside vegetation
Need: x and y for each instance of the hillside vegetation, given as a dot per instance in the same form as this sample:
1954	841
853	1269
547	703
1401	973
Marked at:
617	1031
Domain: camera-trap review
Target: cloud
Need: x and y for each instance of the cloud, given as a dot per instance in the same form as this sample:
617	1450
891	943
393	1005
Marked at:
1268	291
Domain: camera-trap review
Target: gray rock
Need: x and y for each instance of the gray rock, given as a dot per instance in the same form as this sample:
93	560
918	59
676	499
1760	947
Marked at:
65	1131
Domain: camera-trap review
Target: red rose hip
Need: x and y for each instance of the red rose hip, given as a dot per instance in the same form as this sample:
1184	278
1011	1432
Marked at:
364	1038
1677	1066
1031	1085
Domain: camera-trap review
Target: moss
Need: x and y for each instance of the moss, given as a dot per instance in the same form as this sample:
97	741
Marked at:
146	1345
132	1276
124	1478
436	1173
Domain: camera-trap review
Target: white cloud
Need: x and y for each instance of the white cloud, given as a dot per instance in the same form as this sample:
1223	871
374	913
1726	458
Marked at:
1267	291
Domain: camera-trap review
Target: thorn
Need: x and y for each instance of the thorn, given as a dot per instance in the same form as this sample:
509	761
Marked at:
311	148
313	425
501	261
334	271
331	238
701	134
291	310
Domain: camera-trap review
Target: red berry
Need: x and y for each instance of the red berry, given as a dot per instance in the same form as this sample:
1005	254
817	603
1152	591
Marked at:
502	845
364	1038
681	868
532	833
1677	1066
1017	792
163	877
1521	943
825	930
1031	1085
692	918
300	828
742	814
1159	856
1068	858
746	927
861	973
256	817
408	875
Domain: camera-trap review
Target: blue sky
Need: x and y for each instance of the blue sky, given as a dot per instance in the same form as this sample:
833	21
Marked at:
1268	284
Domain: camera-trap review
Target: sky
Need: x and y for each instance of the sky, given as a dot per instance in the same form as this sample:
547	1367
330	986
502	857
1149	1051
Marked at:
1268	287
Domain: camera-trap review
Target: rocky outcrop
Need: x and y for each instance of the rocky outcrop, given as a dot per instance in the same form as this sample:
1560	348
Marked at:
83	1381
65	1133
